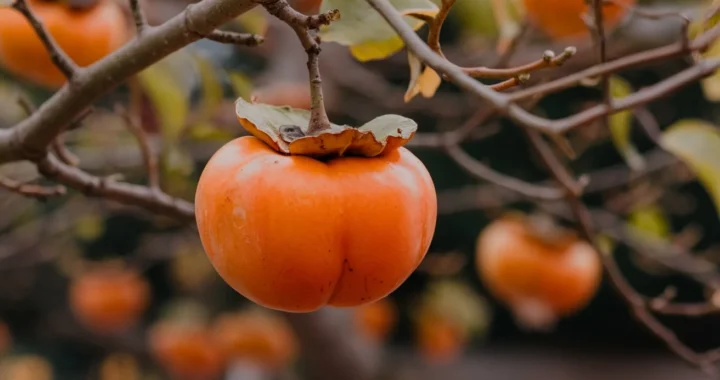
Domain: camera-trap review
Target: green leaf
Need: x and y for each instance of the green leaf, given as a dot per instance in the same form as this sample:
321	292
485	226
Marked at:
365	31
621	126
650	220
168	85
697	143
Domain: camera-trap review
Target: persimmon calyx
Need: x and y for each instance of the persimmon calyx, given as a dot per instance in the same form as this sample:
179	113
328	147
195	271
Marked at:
285	130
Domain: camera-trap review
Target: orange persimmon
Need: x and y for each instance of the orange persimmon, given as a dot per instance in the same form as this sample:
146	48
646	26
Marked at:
296	95
541	276
294	233
306	6
439	340
376	320
186	351
86	35
109	299
257	337
561	19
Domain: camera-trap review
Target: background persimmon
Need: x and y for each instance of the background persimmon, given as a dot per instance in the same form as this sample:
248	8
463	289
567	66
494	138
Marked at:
86	35
438	339
306	6
563	18
294	233
109	299
541	277
186	350
257	337
295	95
376	320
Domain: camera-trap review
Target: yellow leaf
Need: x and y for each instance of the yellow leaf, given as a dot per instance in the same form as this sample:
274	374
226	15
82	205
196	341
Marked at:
212	90
650	220
366	32
425	82
697	143
711	84
166	85
254	21
205	131
89	227
621	125
242	85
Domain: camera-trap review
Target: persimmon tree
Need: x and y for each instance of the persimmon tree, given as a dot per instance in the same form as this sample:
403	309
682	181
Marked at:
302	152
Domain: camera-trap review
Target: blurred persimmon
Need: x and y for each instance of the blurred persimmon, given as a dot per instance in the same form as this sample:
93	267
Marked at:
293	94
294	233
109	299
561	19
306	6
259	338
85	34
185	350
439	339
376	320
540	271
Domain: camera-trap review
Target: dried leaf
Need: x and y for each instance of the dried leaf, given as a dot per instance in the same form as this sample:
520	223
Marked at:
621	126
697	143
425	82
366	32
284	129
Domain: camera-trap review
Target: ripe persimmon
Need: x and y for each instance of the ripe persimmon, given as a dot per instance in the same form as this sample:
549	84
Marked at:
295	233
376	320
109	299
295	95
260	338
86	35
561	19
541	276
186	350
306	6
438	339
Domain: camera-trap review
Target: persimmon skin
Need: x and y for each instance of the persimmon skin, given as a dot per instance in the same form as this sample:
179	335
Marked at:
109	300
562	19
85	35
293	233
260	339
187	352
516	266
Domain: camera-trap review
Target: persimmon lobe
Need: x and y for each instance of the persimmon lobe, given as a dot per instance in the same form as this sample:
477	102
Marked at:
86	35
294	233
109	300
539	279
564	18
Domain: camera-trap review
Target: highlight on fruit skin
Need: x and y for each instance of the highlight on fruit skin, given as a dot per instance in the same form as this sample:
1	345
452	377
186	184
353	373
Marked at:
256	337
541	272
295	233
86	35
108	299
376	320
186	350
563	19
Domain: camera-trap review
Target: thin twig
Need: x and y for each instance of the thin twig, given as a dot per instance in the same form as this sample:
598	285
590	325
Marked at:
149	158
139	18
31	190
61	60
242	39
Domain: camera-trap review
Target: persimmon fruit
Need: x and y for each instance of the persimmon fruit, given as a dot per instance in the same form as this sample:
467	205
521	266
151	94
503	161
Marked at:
86	35
376	320
295	95
561	19
109	299
185	350
439	340
306	6
540	275
296	233
259	338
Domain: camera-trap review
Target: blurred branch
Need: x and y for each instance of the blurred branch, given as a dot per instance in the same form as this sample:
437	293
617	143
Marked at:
31	190
138	16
